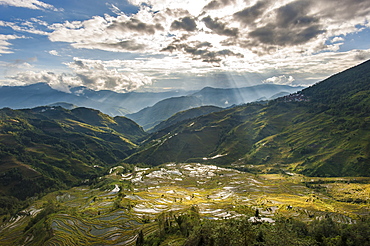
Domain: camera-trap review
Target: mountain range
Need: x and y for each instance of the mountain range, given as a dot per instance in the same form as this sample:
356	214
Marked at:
322	130
146	108
208	96
108	102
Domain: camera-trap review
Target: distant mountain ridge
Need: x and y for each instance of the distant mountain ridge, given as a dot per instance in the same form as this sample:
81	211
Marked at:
225	97
208	96
109	102
131	101
113	103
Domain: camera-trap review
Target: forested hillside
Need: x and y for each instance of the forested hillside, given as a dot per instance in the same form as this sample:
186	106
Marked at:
321	131
48	148
255	194
185	115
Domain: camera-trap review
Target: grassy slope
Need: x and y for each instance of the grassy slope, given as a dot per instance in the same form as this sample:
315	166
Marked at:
327	136
48	148
185	115
151	116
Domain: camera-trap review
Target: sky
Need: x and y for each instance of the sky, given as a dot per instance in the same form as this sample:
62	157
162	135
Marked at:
159	45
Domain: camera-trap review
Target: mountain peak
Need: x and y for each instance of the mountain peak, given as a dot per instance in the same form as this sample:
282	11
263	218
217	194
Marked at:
39	86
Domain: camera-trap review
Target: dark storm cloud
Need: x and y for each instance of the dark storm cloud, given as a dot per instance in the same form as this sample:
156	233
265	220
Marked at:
195	48
219	27
86	79
250	14
135	25
292	26
200	51
212	56
129	45
294	14
216	4
273	35
186	23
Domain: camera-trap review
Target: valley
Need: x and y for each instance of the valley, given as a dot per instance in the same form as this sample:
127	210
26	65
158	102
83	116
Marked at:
295	169
184	123
121	204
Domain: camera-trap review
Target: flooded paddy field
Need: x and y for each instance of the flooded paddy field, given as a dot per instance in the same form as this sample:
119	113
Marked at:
127	203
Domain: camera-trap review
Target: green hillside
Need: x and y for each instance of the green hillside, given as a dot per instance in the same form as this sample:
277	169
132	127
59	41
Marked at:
152	116
321	131
256	192
185	115
48	148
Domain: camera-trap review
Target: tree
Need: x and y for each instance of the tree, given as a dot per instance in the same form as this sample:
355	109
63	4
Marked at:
140	238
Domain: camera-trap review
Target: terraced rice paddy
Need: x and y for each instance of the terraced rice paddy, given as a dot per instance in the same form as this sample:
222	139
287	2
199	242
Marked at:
134	200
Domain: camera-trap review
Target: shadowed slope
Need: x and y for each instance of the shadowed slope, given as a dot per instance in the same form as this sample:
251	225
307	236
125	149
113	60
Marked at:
46	148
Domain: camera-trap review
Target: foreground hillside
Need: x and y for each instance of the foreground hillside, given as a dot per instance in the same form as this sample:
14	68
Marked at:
322	131
194	204
49	148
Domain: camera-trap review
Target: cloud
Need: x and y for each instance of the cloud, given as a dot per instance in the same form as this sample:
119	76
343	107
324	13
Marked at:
240	27
94	74
294	14
216	4
99	75
39	22
134	25
292	25
280	80
28	26
361	55
262	27
57	81
121	46
251	13
201	51
54	53
5	45
115	9
201	36
187	23
194	7
219	28
20	62
337	39
30	4
119	34
271	35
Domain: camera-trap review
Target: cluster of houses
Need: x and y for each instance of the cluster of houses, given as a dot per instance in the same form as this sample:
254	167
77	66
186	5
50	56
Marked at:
295	97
